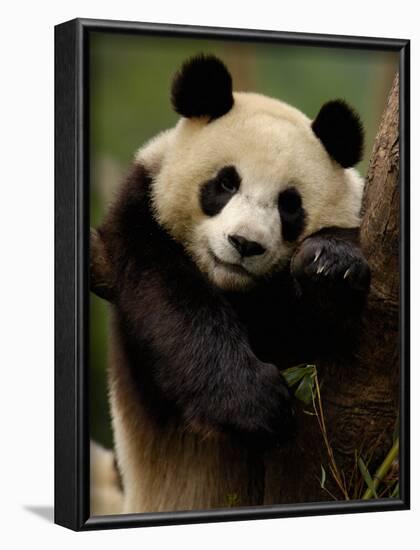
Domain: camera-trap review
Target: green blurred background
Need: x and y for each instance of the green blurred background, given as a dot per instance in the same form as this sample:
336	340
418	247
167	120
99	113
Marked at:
130	78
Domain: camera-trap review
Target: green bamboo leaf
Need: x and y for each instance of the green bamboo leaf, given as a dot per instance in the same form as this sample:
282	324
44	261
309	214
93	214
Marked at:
293	375
366	476
304	391
323	477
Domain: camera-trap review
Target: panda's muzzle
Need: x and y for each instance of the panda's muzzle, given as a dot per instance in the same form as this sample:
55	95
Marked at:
235	268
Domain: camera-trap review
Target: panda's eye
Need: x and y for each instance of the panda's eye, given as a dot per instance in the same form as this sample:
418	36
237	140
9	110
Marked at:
228	180
292	214
228	185
217	192
290	201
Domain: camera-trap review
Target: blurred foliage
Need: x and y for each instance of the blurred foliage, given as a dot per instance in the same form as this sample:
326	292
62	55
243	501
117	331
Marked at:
130	78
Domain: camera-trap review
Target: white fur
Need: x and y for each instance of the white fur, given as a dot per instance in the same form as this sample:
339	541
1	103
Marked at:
273	147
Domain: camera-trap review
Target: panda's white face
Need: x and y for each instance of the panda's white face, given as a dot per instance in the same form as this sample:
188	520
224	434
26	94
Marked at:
240	192
242	237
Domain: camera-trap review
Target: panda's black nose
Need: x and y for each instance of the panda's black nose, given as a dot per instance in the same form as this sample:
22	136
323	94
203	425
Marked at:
245	247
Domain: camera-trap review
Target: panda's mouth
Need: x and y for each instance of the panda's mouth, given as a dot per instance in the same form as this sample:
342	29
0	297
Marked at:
233	268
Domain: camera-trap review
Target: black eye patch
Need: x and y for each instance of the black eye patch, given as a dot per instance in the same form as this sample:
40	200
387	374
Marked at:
292	214
217	192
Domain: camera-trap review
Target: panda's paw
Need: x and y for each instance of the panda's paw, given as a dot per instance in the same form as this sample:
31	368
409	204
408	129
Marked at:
334	264
265	417
256	412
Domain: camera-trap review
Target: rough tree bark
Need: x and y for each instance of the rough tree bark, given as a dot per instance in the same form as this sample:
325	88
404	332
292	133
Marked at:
359	394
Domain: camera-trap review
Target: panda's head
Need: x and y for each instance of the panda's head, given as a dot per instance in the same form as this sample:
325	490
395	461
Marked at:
243	178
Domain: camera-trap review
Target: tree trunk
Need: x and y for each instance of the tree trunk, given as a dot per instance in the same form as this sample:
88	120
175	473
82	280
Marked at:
360	393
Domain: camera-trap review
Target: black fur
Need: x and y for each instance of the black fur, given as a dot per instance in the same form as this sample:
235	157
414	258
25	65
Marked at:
202	87
217	192
207	357
292	214
339	128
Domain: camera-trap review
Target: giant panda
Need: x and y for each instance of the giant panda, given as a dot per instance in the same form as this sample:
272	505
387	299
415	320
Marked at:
234	254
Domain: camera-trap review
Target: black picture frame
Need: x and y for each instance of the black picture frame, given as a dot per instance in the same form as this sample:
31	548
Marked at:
72	269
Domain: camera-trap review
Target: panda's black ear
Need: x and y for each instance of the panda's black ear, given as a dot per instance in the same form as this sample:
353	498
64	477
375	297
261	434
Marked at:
202	87
340	130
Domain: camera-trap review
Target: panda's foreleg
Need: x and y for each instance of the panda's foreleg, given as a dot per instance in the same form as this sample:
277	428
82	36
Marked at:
332	279
197	354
